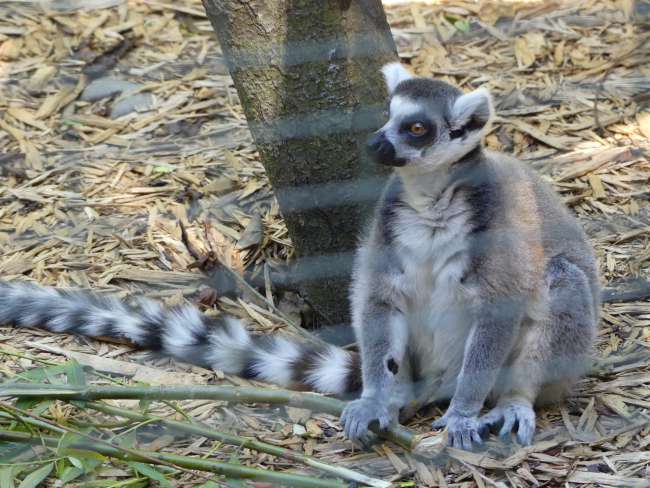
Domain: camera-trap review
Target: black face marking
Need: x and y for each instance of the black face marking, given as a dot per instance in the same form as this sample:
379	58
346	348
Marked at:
418	140
475	123
383	151
392	366
457	133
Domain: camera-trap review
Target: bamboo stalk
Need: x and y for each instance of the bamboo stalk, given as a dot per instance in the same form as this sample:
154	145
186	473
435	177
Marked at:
398	434
225	469
33	419
247	442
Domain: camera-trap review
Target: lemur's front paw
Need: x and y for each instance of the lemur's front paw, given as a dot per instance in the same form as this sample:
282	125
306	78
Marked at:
461	430
508	414
359	414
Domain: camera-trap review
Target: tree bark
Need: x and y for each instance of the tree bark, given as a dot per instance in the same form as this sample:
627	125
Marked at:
307	75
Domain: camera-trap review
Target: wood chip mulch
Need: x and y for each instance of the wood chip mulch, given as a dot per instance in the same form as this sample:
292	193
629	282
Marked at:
92	201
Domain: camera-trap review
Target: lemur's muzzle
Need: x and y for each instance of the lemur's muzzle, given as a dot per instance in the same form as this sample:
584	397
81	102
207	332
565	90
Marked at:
383	151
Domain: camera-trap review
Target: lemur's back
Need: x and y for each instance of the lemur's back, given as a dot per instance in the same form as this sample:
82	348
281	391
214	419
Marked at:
561	233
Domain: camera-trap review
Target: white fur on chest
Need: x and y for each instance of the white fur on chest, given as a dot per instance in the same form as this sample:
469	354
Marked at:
433	248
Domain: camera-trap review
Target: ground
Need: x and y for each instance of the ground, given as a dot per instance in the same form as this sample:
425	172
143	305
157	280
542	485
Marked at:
93	201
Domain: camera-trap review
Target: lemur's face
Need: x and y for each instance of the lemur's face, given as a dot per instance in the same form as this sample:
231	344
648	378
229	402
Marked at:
430	122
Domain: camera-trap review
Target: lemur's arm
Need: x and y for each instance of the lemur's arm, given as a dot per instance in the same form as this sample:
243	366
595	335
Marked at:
496	326
382	341
382	336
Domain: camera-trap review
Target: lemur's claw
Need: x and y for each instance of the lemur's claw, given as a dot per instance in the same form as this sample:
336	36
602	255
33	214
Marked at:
359	414
441	423
507	415
463	432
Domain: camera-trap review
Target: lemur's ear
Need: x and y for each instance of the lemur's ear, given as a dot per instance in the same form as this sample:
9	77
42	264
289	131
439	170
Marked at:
394	74
472	111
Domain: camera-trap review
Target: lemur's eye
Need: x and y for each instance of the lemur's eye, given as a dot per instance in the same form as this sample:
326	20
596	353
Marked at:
418	129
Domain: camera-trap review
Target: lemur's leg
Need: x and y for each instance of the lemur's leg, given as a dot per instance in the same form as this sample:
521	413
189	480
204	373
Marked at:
382	336
431	389
553	354
489	344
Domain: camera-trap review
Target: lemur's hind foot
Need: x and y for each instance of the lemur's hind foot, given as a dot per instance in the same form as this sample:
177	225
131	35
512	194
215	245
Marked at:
509	414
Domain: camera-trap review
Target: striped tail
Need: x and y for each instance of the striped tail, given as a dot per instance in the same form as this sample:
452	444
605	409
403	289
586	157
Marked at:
183	332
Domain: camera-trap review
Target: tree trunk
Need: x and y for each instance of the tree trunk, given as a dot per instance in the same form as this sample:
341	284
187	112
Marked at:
307	74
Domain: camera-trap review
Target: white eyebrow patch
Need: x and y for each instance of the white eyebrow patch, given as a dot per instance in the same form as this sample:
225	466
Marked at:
401	107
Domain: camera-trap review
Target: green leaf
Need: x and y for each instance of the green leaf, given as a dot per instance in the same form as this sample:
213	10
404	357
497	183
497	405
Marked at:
60	465
38	375
89	459
162	169
54	377
462	25
10	450
209	484
71	122
66	441
236	482
127	482
7	477
144	404
33	479
151	473
75	462
451	18
83	458
70	473
75	373
42	407
86	460
29	403
127	439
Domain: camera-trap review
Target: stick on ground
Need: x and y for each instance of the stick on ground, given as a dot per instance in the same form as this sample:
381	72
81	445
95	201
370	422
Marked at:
225	469
247	442
398	434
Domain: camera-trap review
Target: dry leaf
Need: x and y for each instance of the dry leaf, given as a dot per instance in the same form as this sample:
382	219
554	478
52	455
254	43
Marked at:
643	119
524	55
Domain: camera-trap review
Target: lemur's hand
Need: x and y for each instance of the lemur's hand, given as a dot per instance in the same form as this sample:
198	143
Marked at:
358	414
462	430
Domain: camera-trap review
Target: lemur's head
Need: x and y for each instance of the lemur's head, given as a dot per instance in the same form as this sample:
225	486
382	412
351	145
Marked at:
430	122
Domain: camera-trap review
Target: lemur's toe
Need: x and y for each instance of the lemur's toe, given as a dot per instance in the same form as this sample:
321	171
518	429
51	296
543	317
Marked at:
519	416
359	414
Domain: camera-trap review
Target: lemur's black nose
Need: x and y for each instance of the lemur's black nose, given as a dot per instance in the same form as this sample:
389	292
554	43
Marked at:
383	151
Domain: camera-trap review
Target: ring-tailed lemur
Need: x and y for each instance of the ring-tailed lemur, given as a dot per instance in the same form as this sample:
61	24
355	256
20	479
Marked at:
471	281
